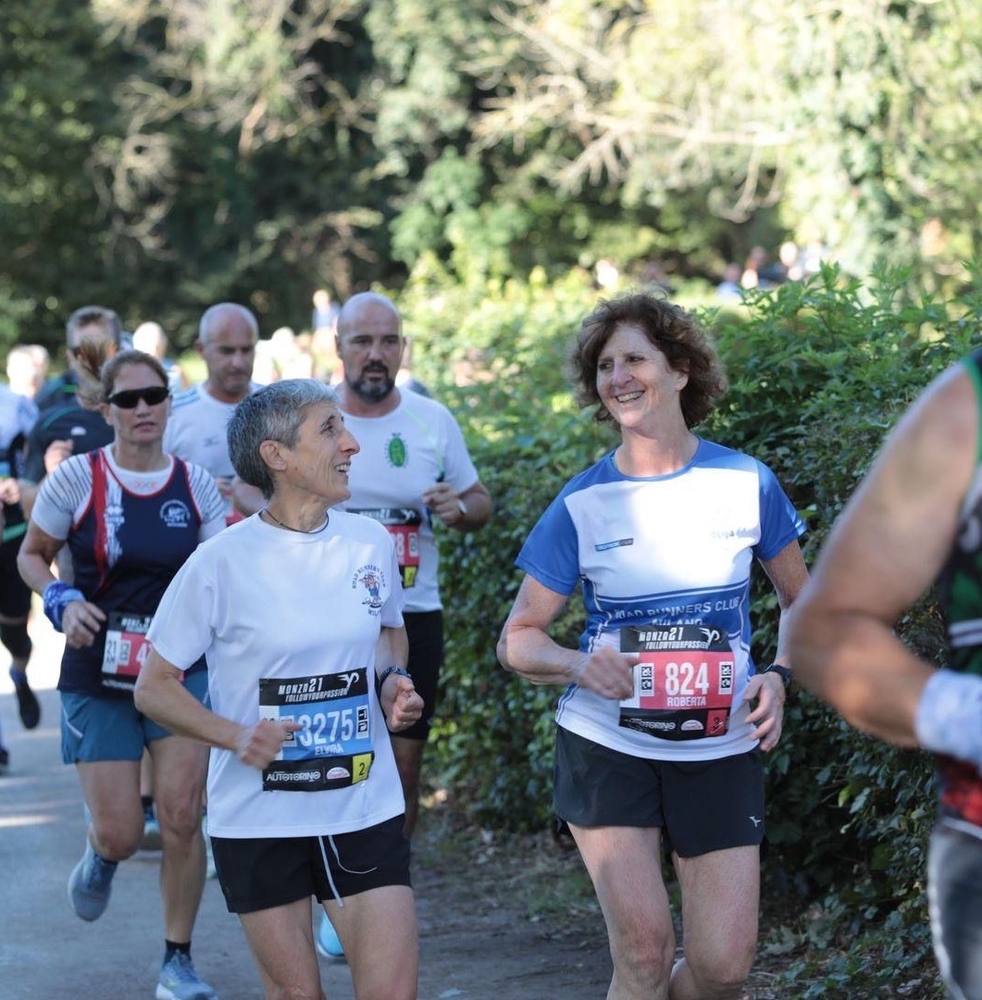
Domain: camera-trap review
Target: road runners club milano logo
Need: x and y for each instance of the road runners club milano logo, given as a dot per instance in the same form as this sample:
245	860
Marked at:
372	579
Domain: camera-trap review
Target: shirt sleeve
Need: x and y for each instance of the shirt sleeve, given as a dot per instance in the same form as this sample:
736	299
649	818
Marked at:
551	551
63	497
208	500
182	628
779	521
34	460
459	470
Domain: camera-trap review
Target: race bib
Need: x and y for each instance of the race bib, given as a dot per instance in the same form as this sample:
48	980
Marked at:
333	747
402	523
683	684
126	649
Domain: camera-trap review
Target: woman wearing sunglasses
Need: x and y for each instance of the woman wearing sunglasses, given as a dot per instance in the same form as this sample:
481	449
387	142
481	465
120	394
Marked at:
129	515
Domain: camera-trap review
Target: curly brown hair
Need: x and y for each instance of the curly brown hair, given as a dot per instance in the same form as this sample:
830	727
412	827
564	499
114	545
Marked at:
675	332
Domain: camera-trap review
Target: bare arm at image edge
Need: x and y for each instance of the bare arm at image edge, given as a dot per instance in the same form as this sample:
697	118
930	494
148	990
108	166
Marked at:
885	550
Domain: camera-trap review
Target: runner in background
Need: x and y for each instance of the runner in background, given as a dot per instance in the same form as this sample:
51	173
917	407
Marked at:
17	416
129	515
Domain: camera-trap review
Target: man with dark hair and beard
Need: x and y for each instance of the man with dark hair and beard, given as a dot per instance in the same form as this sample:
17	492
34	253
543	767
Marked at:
413	468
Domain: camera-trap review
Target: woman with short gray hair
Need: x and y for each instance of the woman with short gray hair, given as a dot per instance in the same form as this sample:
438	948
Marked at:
298	610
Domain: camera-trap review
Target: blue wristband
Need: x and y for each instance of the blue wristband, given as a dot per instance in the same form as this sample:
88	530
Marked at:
57	596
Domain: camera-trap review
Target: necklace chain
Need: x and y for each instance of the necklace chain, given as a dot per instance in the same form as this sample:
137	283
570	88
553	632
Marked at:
299	531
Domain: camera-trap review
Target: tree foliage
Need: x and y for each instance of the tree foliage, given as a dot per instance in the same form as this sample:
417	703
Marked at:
158	156
819	371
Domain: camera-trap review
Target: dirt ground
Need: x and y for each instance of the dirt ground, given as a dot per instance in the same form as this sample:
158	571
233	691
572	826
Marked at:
501	918
511	919
492	924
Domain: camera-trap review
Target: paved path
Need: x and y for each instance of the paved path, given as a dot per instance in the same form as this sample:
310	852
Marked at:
472	948
45	950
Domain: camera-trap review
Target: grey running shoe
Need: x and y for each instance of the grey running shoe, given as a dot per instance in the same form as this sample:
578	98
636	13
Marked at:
90	883
179	981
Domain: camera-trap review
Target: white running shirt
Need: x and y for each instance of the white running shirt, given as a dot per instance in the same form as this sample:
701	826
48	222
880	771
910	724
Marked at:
196	429
300	611
402	454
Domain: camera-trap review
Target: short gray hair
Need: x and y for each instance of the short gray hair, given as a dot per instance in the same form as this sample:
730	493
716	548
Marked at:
274	413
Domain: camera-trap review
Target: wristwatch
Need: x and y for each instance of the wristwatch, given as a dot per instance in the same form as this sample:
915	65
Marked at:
783	672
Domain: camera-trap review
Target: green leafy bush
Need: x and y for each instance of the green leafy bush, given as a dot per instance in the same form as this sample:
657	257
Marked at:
819	372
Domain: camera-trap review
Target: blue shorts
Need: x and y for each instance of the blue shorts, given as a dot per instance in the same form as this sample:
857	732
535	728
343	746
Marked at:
95	729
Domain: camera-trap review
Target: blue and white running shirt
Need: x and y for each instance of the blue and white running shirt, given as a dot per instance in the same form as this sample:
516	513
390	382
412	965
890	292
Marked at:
655	553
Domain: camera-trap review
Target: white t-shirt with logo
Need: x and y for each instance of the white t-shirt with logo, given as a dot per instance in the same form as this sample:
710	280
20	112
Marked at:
670	558
289	623
402	454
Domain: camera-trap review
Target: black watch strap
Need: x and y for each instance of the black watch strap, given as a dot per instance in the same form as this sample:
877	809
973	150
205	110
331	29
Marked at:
380	678
783	672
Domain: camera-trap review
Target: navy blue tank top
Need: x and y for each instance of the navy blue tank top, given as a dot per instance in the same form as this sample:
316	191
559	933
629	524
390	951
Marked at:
126	548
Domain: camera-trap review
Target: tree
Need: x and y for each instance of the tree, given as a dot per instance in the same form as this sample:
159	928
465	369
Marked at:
846	116
55	110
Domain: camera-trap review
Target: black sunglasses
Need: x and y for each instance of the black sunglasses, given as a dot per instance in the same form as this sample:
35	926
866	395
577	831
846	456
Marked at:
128	399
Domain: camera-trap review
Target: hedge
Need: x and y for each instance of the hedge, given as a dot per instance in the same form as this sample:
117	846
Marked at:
819	372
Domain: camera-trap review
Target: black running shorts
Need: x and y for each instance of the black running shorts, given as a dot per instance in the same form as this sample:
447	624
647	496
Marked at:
263	872
425	632
700	806
15	595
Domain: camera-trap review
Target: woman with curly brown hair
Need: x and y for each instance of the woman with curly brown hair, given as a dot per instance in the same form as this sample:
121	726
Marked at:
664	714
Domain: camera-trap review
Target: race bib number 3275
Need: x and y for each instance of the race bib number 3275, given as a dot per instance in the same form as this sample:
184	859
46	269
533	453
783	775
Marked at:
333	747
683	684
